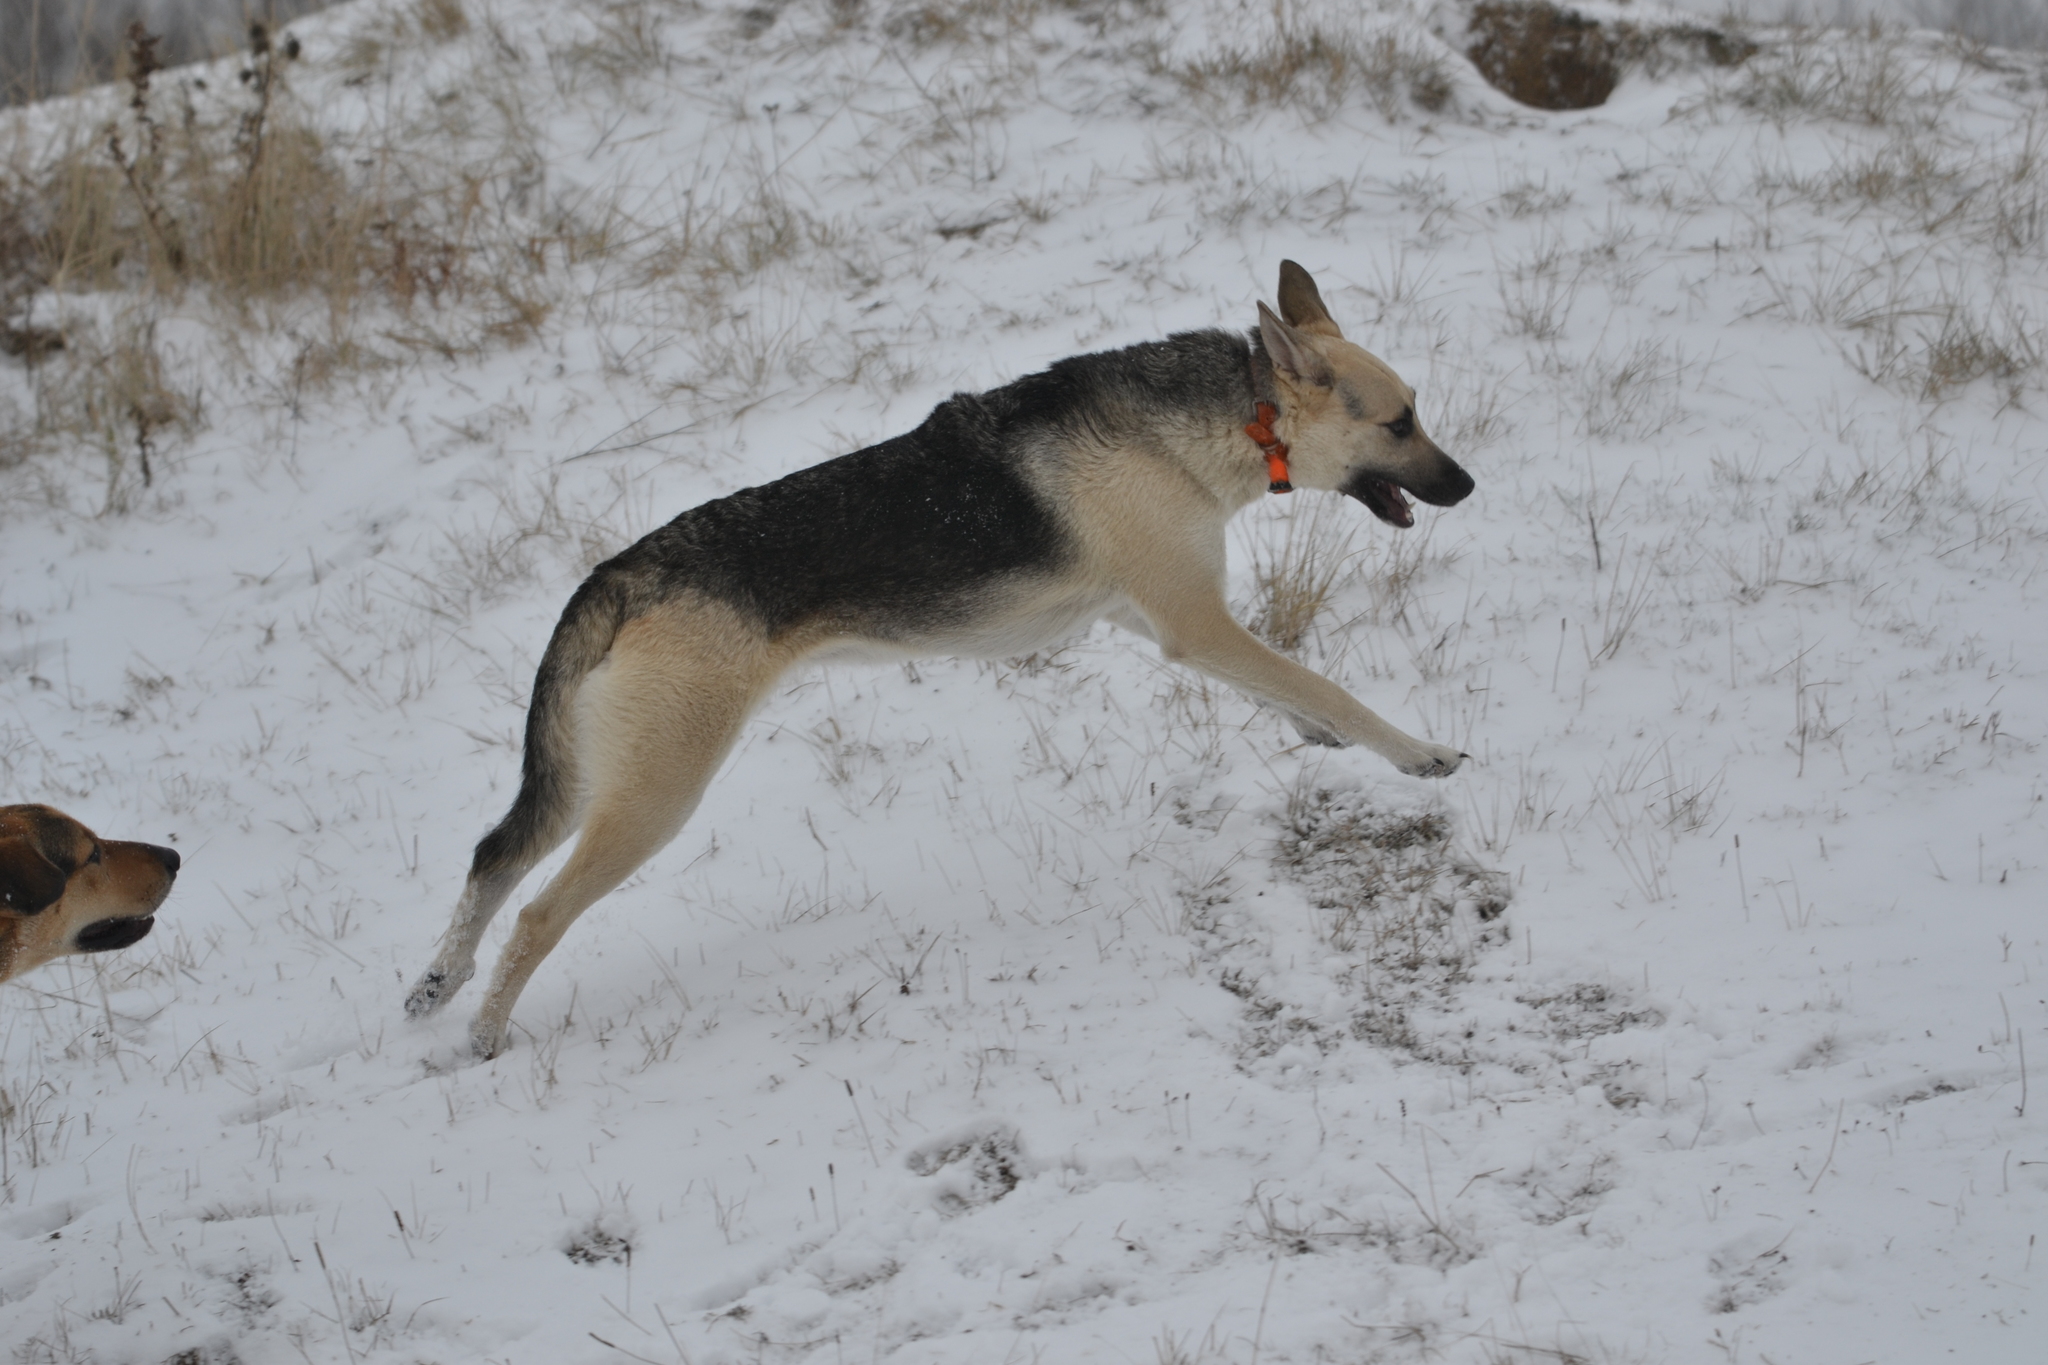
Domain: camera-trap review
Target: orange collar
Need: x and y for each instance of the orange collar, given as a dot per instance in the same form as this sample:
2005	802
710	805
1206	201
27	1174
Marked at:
1274	449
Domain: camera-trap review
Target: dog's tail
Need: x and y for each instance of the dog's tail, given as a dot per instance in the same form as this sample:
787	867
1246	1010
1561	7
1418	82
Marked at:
550	782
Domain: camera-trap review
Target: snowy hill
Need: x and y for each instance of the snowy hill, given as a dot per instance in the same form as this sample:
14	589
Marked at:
1066	1009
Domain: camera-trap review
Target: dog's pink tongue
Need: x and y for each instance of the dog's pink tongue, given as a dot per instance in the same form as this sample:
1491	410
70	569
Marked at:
1399	511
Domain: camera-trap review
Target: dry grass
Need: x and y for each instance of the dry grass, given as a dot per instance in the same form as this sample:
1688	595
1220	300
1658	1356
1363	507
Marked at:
1952	343
1471	412
971	22
1929	337
1932	180
1399	901
1318	73
236	211
1874	77
1633	395
1297	562
239	195
268	236
118	396
1936	311
1537	291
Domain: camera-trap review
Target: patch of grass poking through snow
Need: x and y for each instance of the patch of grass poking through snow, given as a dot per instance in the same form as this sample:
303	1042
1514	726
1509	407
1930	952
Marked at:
595	1246
973	1166
606	1237
1877	77
1398	902
1427	1238
1390	880
1588	1009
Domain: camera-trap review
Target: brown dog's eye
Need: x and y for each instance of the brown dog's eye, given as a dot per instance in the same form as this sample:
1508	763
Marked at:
1404	425
94	860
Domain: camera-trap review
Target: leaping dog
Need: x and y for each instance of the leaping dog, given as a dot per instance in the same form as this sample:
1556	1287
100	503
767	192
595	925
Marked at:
1007	522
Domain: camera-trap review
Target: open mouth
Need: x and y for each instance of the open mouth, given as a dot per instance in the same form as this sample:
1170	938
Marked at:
109	934
1384	498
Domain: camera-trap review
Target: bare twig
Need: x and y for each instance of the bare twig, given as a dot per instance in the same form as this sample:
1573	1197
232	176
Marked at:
1833	1138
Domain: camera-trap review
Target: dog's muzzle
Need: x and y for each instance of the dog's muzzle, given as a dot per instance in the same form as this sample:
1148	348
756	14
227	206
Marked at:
118	931
1449	486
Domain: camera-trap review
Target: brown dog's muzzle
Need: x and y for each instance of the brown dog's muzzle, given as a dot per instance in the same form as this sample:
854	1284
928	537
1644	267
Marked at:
145	872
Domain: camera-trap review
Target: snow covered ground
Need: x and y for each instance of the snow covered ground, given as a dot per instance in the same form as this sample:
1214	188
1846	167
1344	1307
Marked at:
1064	1009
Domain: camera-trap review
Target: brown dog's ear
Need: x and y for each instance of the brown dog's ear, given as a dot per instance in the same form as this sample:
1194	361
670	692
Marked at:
28	881
1291	352
1301	303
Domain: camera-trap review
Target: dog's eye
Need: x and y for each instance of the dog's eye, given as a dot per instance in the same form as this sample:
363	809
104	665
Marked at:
94	858
1404	425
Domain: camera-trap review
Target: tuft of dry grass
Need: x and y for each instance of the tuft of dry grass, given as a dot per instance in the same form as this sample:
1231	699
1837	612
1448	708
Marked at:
1297	561
240	198
1634	395
1929	339
114	391
1953	344
1319	72
239	202
1537	291
923	23
1874	77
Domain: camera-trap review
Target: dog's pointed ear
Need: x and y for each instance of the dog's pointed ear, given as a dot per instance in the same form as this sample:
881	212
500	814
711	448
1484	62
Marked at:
29	882
1291	351
1301	303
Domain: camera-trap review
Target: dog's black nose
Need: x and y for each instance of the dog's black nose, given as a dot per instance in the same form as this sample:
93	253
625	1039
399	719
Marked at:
167	856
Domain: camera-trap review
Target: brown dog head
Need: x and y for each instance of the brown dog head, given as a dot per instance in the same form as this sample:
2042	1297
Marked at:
1350	420
65	890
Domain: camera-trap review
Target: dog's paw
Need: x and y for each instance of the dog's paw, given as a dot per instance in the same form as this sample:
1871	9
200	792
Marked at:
1432	760
486	1039
431	991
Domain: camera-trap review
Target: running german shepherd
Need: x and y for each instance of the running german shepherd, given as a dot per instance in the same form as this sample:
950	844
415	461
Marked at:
1005	523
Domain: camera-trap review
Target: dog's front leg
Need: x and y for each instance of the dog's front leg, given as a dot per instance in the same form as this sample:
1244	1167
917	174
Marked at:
1198	629
1314	732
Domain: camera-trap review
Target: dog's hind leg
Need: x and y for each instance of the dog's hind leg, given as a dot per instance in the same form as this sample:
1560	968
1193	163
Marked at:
542	816
549	803
657	721
497	868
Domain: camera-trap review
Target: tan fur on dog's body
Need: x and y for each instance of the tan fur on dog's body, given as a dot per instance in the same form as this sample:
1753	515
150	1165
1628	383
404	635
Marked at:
64	890
628	728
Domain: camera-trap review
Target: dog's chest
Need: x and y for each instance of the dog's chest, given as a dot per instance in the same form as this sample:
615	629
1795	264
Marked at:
1011	619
